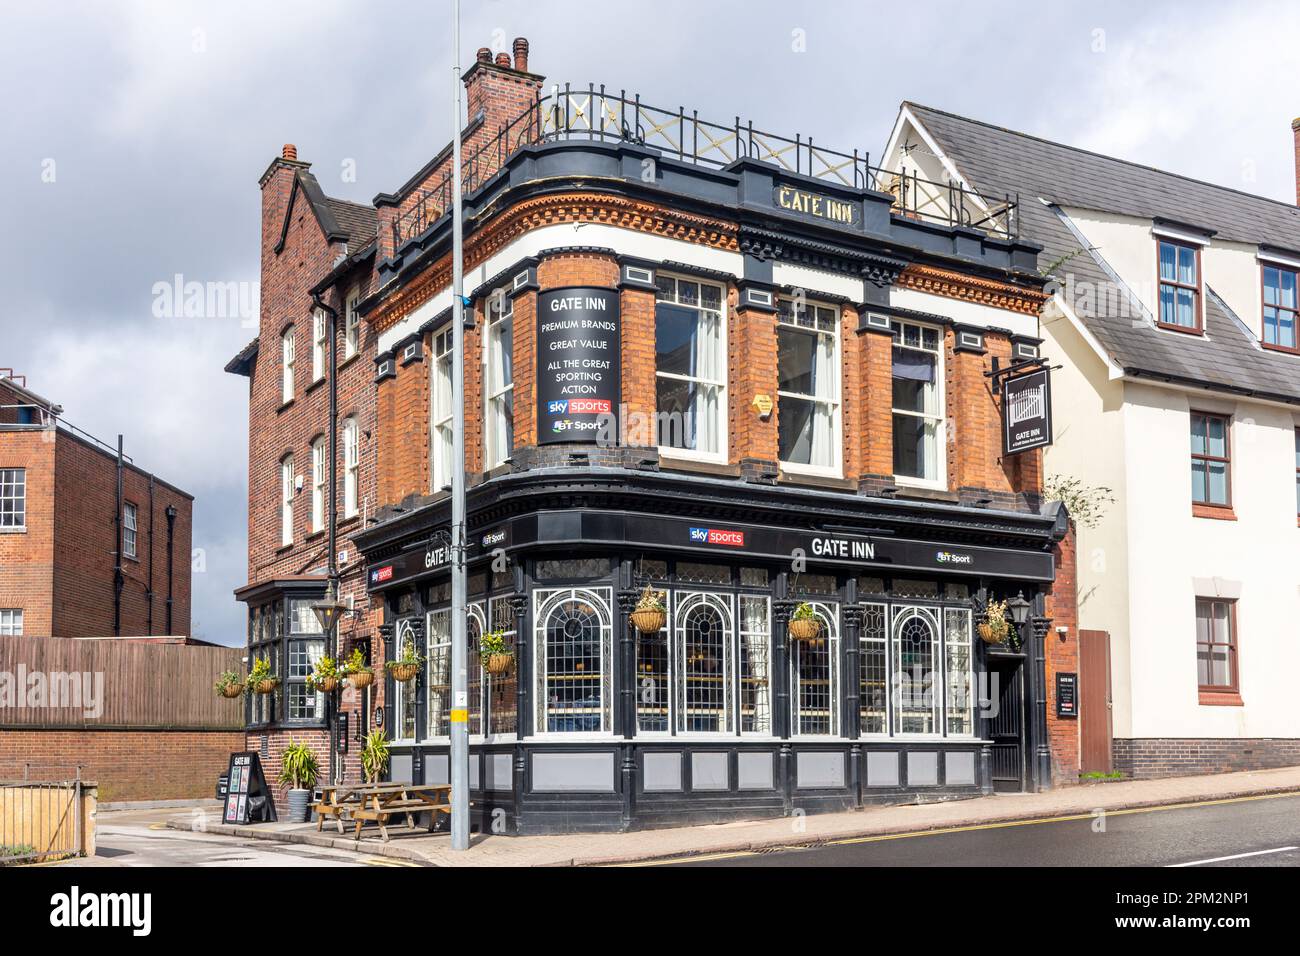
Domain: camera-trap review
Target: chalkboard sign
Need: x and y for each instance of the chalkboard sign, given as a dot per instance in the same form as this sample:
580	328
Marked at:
578	362
1067	695
248	799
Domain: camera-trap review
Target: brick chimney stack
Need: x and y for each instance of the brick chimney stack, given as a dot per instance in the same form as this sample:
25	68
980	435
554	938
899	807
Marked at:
499	88
1295	132
521	55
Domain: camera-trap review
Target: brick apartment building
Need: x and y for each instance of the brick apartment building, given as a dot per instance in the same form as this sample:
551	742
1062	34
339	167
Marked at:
69	506
748	373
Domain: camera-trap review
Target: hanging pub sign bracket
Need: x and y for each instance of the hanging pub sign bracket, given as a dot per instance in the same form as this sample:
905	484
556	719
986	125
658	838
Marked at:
1026	404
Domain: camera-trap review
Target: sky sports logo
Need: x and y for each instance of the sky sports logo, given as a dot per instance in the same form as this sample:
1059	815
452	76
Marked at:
580	406
732	539
380	575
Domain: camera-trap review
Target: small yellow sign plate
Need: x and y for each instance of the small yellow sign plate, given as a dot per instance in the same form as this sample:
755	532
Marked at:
459	716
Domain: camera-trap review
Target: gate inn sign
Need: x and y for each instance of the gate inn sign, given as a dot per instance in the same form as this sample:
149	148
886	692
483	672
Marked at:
578	362
841	212
1026	412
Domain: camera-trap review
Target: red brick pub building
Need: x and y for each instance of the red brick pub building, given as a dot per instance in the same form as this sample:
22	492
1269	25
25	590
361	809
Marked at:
746	372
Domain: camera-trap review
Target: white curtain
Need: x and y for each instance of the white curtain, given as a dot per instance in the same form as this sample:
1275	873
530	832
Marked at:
704	365
822	421
754	627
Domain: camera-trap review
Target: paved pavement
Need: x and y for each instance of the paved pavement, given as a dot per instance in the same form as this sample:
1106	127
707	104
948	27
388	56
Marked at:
1248	831
143	838
610	848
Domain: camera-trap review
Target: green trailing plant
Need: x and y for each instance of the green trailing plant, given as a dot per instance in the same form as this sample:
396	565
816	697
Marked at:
491	643
804	612
326	669
298	766
374	756
408	656
1086	504
227	680
355	664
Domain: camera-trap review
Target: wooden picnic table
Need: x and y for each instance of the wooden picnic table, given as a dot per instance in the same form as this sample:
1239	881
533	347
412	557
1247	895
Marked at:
380	801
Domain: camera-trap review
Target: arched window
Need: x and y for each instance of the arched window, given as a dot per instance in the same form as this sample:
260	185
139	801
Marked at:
814	666
705	628
573	669
916	662
286	365
438	672
351	466
474	628
403	692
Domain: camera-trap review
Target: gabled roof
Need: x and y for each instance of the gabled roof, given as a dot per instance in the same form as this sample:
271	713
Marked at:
242	364
340	219
1228	357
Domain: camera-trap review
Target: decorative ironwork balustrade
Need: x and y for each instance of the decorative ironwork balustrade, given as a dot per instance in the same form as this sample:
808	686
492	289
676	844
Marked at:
597	114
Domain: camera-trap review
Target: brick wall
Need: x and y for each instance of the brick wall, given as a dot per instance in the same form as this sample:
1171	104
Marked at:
1147	758
1062	656
127	764
27	557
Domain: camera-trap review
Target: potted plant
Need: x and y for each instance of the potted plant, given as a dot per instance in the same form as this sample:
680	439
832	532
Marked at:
260	678
650	614
995	629
374	756
326	676
229	684
407	664
356	671
298	769
804	625
495	652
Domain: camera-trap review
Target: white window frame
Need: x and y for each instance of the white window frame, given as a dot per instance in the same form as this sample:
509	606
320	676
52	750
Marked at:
828	613
351	467
940	482
13	488
130	526
883	642
287	360
717	382
683	603
836	402
286	500
933	618
319	457
512	634
11	622
442	409
499	309
437	652
319	333
351	326
402	632
544	602
766	635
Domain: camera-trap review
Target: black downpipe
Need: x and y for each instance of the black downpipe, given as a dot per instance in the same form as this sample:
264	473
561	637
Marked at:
331	639
118	580
171	561
149	612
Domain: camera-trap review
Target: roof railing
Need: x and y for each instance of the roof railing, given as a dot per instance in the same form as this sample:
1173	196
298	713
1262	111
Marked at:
597	114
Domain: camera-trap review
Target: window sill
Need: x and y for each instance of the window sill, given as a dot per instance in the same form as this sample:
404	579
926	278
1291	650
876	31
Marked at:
903	489
313	386
284	548
1220	698
815	479
284	406
314	535
23	529
350	520
1170	327
702	466
349	360
1218	512
1280	348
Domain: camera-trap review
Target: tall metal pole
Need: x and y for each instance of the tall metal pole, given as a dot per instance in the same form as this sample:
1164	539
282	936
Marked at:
459	674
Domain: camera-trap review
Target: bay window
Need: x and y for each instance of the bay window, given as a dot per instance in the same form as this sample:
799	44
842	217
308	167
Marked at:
441	412
1280	308
286	500
917	367
690	367
319	326
319	451
499	379
286	365
306	647
1180	286
808	386
351	466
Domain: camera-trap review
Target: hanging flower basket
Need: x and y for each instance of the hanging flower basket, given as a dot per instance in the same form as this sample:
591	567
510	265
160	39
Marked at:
994	629
403	671
991	635
497	664
266	685
649	616
360	679
804	625
232	691
325	684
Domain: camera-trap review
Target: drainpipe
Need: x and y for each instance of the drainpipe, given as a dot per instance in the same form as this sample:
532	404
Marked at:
118	580
171	563
332	574
149	611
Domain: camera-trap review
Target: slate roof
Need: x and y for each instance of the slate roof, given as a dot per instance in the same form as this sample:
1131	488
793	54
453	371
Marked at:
357	220
1229	357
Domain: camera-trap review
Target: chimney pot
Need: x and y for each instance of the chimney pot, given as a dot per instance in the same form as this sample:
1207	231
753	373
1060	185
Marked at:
521	54
484	54
503	59
289	151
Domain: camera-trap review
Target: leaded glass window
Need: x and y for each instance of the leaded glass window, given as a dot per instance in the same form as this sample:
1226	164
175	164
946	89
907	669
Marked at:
814	669
572	634
437	671
755	665
873	694
403	693
959	703
916	662
503	713
652	677
704	630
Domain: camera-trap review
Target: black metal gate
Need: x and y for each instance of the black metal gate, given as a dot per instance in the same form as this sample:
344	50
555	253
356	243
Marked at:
1007	729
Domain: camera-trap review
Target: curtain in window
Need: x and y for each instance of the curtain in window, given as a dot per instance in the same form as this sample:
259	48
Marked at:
755	687
705	348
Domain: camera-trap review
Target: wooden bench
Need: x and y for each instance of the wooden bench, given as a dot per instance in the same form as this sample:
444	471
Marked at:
340	800
417	798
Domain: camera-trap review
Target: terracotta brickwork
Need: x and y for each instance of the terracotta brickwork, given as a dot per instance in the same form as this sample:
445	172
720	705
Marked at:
1062	656
751	363
638	356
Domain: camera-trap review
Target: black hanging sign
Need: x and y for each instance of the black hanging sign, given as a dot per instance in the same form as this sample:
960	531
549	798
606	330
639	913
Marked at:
1067	695
248	799
579	337
1026	412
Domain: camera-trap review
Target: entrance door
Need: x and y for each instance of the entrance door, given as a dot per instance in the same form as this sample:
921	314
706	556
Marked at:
1094	702
1008	728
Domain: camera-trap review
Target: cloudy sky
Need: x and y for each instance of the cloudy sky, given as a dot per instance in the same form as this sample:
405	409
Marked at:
134	134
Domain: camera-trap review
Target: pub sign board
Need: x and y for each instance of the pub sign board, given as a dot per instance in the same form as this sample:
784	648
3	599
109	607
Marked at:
841	212
1026	412
248	799
1067	695
579	338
